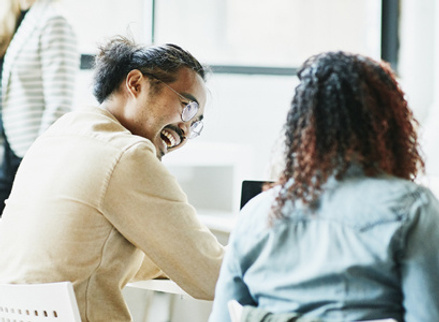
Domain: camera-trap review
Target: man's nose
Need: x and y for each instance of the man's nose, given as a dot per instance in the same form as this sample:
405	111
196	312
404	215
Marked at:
186	128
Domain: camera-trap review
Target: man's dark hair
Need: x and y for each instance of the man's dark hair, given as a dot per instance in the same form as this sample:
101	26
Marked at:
120	56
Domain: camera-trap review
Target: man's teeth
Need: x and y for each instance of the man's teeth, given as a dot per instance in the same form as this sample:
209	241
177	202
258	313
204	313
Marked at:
170	137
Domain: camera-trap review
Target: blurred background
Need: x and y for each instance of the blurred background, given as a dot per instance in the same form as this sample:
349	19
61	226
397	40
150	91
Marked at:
254	48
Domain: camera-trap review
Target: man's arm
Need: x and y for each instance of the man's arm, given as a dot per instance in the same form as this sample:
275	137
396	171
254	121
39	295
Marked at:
145	203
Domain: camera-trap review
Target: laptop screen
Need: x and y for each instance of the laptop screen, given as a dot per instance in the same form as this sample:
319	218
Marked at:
250	188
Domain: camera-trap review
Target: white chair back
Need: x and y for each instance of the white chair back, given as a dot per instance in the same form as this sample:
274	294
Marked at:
38	302
235	311
382	320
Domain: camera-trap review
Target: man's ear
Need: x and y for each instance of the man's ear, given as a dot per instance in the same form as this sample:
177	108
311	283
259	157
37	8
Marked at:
133	82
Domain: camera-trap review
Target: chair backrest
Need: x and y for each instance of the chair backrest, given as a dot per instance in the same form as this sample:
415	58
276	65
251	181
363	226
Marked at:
38	302
235	311
382	320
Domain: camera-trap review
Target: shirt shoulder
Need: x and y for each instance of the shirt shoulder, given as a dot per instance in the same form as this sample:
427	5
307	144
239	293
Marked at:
95	123
365	202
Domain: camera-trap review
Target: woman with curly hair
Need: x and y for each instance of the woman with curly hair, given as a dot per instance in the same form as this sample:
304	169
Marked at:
345	234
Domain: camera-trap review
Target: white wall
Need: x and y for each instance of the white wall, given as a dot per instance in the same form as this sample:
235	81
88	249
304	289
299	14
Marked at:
419	69
95	20
417	57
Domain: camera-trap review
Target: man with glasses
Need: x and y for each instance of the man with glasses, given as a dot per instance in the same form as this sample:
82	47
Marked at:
93	204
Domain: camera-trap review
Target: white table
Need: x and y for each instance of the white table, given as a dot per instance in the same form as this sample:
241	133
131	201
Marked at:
164	300
221	225
160	285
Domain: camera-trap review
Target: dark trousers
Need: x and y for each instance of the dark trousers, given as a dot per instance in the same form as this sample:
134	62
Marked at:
9	164
8	168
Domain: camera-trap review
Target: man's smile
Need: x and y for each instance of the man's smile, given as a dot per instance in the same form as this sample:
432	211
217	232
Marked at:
172	137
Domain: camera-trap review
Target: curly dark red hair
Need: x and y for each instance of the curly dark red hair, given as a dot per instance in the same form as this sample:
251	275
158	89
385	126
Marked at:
347	109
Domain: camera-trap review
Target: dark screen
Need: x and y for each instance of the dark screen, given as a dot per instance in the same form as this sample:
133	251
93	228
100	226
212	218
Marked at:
250	188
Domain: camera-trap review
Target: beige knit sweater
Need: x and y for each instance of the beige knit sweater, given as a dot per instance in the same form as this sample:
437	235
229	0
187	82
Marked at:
90	203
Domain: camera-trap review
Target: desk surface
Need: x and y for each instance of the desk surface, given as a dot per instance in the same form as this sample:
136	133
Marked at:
222	222
159	285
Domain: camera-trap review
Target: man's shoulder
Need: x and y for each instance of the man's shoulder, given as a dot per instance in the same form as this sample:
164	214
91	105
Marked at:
94	123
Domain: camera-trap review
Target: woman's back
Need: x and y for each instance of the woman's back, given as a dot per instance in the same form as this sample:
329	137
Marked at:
345	234
368	251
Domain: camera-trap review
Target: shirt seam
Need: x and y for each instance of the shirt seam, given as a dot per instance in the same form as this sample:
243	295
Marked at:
104	244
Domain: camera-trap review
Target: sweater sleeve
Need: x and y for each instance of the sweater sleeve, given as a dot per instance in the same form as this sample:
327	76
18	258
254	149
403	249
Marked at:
145	203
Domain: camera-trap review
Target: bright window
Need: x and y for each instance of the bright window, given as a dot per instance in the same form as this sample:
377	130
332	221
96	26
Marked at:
276	33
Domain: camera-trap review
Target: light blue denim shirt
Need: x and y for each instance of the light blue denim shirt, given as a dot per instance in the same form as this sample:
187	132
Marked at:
369	251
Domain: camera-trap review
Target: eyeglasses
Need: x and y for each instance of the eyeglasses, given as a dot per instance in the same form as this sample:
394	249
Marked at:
190	110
